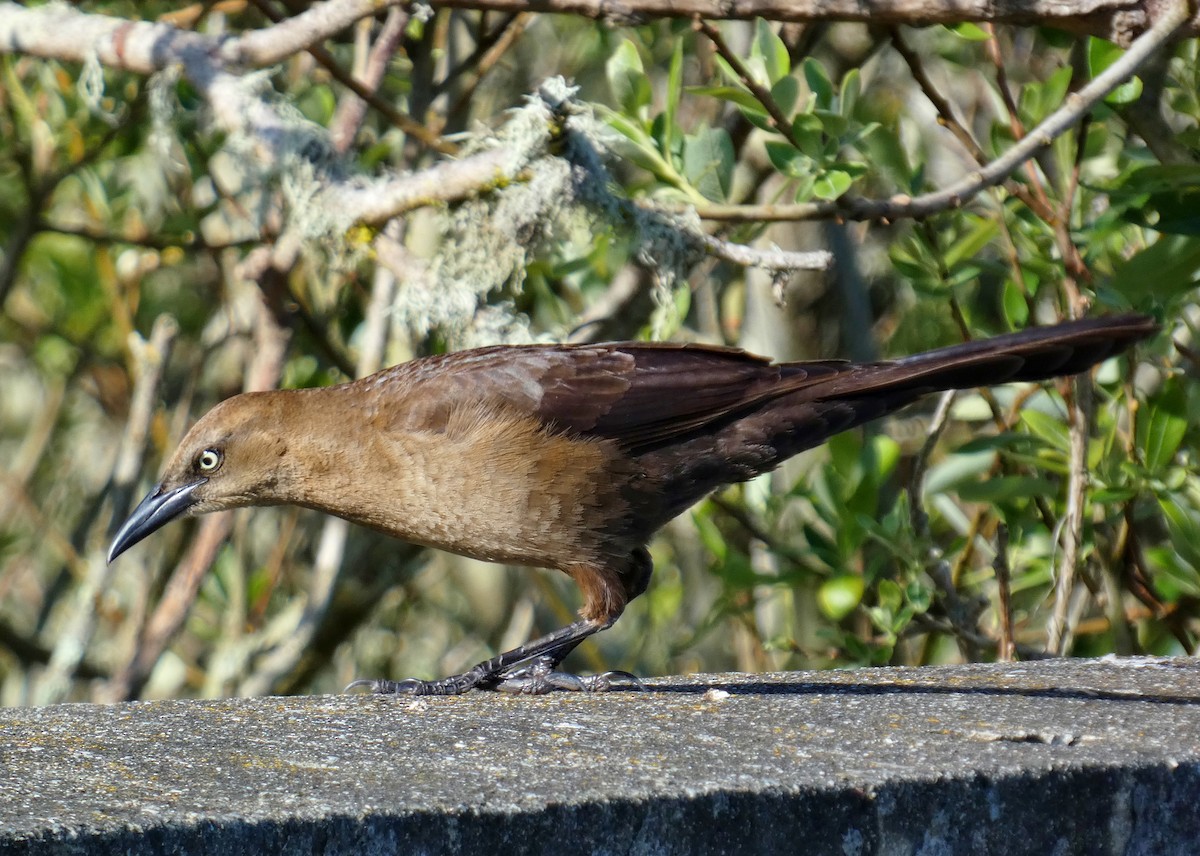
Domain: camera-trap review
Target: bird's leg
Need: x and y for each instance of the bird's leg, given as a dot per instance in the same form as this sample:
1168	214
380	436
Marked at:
490	674
606	589
531	668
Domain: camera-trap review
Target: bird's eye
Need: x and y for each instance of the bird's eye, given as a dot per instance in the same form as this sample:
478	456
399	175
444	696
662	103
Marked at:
209	460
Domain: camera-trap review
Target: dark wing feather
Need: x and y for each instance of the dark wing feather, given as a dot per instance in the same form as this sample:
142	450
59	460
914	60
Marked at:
638	394
644	395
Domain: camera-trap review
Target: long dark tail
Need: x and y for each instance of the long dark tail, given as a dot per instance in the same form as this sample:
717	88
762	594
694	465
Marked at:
818	400
1034	354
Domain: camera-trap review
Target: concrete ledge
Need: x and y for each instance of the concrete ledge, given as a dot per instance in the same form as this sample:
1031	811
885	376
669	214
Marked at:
1058	757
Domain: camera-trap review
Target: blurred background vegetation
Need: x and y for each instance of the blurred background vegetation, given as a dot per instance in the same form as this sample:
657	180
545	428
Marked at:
130	306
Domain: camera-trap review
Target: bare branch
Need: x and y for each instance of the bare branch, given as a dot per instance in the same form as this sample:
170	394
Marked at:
260	48
1006	647
1060	631
779	121
771	259
1115	20
957	194
448	181
351	110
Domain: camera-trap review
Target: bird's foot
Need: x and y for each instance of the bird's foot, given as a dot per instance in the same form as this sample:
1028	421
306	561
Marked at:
475	678
536	677
539	677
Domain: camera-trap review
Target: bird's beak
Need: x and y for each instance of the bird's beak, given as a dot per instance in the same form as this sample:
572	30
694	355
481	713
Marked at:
156	510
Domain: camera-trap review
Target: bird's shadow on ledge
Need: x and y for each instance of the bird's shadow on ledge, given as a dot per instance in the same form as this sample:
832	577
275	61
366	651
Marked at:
765	687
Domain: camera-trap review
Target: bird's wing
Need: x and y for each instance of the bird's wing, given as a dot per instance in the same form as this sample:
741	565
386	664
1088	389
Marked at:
638	394
644	395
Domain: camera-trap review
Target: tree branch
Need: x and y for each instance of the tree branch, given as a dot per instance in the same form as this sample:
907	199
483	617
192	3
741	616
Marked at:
901	206
1116	20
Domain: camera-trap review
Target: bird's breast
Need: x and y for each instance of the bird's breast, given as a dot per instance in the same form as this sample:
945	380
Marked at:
500	488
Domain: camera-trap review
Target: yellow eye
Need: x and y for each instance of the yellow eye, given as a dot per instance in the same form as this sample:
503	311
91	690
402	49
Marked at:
209	461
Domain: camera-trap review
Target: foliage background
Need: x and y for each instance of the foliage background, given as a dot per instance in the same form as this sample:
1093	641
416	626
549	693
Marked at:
123	212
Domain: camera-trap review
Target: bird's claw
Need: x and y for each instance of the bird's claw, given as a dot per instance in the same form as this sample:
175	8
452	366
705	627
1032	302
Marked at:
536	677
454	685
616	680
410	686
540	677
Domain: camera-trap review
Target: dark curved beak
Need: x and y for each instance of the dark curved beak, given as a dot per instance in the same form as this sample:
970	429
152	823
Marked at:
155	511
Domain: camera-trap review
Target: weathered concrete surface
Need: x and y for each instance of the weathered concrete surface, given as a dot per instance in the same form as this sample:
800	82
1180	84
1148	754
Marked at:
1062	757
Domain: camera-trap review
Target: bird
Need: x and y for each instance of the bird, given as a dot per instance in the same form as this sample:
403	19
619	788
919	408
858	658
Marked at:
567	457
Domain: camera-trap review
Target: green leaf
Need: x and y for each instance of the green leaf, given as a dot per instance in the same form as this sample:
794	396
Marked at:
832	184
809	135
969	31
804	187
1165	269
835	127
839	596
786	93
786	159
1112	495
1006	488
710	536
1007	440
1038	100
1049	428
1184	530
851	89
1016	308
640	148
772	51
627	79
891	596
1161	428
1163	197
884	454
918	596
733	94
708	160
845	455
975	240
1173	579
818	81
674	90
1102	54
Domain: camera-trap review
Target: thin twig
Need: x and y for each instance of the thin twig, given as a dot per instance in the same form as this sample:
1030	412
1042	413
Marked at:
769	259
962	612
172	608
958	193
950	121
918	519
1036	198
365	90
1006	647
29	652
75	635
763	95
1059	631
500	43
350	111
149	362
759	533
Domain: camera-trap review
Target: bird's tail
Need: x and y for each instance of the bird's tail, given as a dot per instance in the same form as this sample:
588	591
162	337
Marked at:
1034	354
814	401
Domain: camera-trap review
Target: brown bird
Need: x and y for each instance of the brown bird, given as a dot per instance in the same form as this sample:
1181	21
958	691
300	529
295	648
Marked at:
563	456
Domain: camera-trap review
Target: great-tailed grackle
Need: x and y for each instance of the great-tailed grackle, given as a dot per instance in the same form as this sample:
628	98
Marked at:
563	456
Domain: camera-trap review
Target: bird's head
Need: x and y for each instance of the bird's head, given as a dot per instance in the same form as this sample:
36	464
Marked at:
235	455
